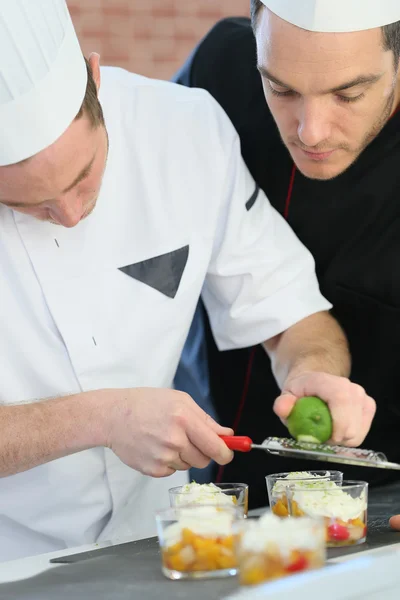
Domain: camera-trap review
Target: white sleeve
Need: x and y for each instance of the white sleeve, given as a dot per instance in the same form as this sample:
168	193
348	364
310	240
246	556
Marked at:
261	279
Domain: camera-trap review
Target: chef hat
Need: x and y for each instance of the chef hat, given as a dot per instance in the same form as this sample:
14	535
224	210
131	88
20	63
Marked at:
336	15
43	76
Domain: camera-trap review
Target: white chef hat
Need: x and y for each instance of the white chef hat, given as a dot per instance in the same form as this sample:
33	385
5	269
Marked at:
336	15
43	76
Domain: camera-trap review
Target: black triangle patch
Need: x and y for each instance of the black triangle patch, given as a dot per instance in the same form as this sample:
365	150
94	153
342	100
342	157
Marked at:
163	273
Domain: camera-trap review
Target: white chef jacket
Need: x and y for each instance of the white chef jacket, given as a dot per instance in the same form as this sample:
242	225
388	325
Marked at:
108	303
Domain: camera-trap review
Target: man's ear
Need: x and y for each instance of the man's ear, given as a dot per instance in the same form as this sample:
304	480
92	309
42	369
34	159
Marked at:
94	61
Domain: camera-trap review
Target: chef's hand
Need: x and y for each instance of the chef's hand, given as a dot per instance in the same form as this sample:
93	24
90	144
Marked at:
160	431
395	522
351	408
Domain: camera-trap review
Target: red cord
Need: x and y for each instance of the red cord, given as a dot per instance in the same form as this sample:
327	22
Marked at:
249	369
242	402
290	192
245	390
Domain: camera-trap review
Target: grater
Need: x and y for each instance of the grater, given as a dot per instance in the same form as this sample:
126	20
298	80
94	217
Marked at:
307	450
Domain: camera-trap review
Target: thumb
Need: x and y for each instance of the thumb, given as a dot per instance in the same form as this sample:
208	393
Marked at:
283	405
395	522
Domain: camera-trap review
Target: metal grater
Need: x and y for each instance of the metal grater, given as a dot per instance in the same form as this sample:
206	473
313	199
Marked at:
308	450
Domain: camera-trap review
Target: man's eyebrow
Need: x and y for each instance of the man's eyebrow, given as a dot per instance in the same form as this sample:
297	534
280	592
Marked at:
360	80
84	173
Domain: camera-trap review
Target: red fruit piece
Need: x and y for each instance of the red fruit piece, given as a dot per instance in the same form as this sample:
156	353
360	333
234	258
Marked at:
299	565
338	533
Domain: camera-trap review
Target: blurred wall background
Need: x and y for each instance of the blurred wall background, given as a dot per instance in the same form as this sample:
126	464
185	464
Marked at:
150	37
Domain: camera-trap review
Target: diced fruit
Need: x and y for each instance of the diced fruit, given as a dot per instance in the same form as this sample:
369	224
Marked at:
175	548
226	559
227	541
300	564
356	533
280	508
187	536
256	568
252	576
338	532
357	522
187	554
180	561
357	530
296	511
197	553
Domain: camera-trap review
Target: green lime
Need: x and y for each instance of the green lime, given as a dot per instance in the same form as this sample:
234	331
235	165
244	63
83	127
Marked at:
310	420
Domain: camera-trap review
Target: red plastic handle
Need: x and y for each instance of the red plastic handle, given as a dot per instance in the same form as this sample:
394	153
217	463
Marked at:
241	443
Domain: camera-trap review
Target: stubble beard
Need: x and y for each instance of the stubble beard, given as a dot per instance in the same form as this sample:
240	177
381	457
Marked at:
369	137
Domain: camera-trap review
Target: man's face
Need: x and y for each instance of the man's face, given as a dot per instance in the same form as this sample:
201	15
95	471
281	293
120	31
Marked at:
330	94
60	184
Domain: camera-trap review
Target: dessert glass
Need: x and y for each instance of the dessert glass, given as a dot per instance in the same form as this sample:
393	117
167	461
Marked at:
277	484
223	494
271	548
197	541
342	507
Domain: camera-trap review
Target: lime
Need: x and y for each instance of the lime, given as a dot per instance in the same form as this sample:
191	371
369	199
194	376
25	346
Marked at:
310	420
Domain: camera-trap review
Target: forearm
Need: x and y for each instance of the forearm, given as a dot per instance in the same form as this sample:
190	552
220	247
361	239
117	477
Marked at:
35	433
316	343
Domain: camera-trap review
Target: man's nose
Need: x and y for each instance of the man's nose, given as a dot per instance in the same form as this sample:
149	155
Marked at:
313	123
68	211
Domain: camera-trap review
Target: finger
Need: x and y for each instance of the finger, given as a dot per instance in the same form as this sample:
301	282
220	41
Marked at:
180	465
159	471
309	384
168	471
361	416
219	430
346	418
283	405
210	422
395	522
368	415
208	442
191	455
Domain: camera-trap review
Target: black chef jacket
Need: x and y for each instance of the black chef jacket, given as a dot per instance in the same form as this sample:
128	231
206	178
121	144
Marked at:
351	225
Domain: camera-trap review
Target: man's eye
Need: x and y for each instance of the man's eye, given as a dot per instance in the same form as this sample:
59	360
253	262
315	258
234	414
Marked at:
349	99
282	94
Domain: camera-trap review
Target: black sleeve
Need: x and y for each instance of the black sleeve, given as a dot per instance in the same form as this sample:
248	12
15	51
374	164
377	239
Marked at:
224	64
206	66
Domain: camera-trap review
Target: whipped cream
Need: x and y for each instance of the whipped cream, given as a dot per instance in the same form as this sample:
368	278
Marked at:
284	534
331	502
302	480
205	521
207	493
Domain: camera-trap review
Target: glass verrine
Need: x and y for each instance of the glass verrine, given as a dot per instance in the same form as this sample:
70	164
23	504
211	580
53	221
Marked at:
223	494
197	541
278	482
342	507
271	547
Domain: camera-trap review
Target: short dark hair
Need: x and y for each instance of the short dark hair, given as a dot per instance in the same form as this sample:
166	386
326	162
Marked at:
391	39
91	105
391	33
